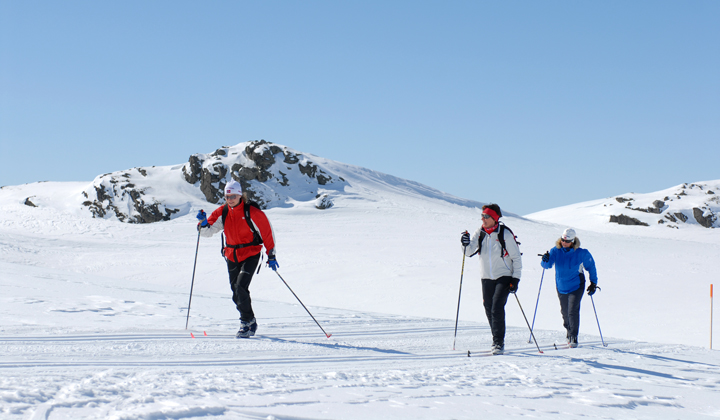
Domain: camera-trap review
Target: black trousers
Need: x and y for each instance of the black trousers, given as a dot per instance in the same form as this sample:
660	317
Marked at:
570	309
240	277
495	295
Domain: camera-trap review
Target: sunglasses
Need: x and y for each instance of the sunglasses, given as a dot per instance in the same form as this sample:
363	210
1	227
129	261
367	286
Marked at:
486	216
232	196
568	241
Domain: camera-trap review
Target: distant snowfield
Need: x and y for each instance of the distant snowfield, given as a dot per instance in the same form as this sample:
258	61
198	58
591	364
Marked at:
92	318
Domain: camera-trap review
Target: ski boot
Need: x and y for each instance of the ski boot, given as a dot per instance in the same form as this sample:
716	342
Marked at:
247	329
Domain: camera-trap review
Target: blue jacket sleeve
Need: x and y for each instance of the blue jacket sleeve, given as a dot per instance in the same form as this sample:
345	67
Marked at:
589	265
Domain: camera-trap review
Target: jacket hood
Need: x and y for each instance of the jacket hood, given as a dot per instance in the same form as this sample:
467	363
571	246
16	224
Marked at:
576	245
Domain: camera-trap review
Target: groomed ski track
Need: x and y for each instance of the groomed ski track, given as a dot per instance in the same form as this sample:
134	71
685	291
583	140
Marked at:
404	364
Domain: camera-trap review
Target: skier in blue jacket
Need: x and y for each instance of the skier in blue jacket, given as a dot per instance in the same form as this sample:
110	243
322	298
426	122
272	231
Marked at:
570	262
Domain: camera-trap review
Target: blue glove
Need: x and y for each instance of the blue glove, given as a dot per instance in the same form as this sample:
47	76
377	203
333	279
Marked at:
272	262
546	257
202	217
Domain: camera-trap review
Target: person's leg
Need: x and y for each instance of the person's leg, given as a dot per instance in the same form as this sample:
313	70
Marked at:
574	299
240	277
499	299
564	304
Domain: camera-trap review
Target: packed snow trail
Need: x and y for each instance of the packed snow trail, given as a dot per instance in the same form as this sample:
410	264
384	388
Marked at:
373	366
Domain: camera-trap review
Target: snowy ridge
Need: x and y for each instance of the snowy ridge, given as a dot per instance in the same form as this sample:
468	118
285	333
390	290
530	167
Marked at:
684	206
271	175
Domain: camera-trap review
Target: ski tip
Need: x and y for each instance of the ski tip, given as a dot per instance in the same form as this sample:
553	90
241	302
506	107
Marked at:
191	335
205	333
468	353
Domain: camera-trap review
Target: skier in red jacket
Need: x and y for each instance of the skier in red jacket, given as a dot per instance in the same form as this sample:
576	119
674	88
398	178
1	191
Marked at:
245	239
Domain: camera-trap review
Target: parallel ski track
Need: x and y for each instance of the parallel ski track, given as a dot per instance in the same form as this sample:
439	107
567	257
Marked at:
369	354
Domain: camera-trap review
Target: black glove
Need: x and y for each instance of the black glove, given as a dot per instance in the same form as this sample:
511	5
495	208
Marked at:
465	239
592	288
513	285
546	257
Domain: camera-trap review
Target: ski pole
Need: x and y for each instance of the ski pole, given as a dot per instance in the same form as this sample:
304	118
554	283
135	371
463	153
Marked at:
457	316
598	321
303	305
192	283
528	324
532	328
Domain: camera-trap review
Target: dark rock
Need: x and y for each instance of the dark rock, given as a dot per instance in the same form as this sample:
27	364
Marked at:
704	221
671	218
194	172
622	199
264	160
626	220
291	158
29	203
681	216
309	169
323	202
322	179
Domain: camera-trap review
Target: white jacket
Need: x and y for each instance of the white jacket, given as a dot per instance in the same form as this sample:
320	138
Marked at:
492	264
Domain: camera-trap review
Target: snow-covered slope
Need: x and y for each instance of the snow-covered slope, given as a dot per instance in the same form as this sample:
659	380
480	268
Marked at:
93	311
686	206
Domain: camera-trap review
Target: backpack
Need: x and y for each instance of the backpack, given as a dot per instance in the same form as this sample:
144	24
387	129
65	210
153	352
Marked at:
501	237
257	239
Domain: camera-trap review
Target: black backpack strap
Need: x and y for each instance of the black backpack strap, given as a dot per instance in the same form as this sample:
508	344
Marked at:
257	239
501	237
480	241
222	235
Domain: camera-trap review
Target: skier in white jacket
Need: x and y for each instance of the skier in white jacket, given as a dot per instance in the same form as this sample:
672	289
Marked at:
501	267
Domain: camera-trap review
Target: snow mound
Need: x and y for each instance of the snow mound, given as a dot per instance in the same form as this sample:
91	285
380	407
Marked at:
683	206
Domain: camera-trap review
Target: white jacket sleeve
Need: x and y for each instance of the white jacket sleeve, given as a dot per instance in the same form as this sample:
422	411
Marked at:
210	230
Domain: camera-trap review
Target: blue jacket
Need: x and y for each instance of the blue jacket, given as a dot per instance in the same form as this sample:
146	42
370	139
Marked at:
569	263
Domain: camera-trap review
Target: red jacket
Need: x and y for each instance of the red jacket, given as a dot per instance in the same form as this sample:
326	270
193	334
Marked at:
238	232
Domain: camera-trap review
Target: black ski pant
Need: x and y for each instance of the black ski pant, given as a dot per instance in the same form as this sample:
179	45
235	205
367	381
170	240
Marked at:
240	277
495	295
570	309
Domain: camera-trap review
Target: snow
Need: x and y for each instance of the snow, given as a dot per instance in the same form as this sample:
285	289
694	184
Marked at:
93	312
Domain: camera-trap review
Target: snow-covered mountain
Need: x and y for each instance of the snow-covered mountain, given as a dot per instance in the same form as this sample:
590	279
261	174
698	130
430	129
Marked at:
683	206
271	175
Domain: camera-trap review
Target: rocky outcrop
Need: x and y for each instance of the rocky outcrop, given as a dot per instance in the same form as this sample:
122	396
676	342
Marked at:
270	175
259	162
684	204
626	220
323	202
116	195
705	218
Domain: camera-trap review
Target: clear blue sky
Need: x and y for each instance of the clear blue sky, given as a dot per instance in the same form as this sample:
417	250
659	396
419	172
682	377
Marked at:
530	104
